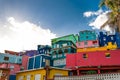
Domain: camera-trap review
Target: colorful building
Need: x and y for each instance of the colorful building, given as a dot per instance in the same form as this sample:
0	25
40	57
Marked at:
87	35
12	77
87	44
4	73
39	61
118	39
109	46
98	62
29	53
44	49
9	58
71	37
41	73
11	52
104	39
86	53
24	62
14	68
59	50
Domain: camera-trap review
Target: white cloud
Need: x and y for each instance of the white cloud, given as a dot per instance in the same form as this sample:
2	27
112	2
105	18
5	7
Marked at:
91	13
101	18
88	14
25	35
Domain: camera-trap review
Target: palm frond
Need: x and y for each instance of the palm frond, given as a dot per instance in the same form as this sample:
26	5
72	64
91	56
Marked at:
103	26
114	15
102	3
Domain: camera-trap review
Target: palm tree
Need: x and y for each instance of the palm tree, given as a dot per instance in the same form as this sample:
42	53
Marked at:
114	14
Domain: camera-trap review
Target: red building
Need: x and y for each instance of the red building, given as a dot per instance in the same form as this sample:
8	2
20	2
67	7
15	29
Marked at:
96	62
11	52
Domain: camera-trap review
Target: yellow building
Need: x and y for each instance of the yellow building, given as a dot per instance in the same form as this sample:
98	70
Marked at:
91	49
40	74
110	46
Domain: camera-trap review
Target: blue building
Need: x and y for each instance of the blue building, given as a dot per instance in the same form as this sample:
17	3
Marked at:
12	77
104	39
8	58
44	49
118	39
39	61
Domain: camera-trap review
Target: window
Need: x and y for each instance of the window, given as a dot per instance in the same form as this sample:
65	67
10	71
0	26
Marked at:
47	51
85	43
20	60
82	32
104	39
6	58
107	55
65	44
60	51
85	56
66	51
20	78
54	52
87	37
112	38
94	42
59	62
47	62
57	46
79	44
44	60
11	67
21	68
38	77
113	43
28	77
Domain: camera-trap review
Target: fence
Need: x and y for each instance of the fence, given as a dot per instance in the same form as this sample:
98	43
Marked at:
107	76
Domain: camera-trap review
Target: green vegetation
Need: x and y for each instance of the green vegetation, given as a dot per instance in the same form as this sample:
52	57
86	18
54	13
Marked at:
113	15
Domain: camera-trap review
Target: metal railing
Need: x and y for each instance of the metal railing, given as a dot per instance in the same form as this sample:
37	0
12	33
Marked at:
107	76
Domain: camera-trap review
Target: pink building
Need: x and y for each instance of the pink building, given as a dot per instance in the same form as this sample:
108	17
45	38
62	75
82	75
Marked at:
24	62
86	44
13	67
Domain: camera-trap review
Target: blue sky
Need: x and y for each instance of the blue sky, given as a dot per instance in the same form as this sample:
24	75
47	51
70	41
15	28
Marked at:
60	16
26	23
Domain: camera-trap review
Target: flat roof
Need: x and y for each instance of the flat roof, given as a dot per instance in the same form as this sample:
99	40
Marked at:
44	69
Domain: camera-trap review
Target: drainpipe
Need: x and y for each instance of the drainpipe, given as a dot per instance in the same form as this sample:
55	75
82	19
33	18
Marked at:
78	72
99	69
47	72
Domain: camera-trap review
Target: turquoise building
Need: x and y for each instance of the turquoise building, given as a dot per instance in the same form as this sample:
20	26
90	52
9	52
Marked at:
87	35
59	51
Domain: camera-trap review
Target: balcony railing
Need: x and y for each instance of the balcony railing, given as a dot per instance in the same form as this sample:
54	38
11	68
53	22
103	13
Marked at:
107	76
